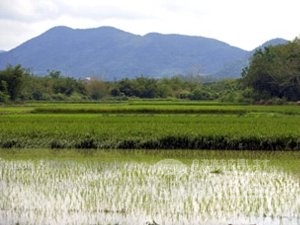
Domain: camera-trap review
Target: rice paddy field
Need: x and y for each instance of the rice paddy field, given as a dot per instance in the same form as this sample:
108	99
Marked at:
150	125
149	162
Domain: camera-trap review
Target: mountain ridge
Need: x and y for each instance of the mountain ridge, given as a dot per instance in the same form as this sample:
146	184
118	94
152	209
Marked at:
110	53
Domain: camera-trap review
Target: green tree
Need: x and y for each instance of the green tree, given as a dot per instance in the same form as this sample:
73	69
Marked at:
142	87
275	71
11	80
96	89
4	96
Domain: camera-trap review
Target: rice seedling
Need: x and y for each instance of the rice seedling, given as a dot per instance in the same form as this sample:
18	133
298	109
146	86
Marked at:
149	131
125	192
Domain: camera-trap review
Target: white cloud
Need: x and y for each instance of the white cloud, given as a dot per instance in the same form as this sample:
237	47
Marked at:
243	23
28	11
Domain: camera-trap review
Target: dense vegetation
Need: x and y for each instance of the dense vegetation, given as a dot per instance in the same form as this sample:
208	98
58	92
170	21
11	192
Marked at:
275	72
17	84
150	125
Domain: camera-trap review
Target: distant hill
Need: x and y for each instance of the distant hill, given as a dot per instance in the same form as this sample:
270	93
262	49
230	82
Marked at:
109	53
275	41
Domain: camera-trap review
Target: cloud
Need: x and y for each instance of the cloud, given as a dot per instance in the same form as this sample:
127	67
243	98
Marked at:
244	23
103	9
28	10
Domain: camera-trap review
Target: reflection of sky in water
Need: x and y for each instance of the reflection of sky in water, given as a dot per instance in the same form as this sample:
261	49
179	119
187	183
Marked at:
127	193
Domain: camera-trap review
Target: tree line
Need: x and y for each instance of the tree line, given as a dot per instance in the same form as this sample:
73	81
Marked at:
273	73
18	84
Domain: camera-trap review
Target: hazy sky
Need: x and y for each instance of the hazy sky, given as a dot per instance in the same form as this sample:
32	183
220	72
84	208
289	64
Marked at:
242	23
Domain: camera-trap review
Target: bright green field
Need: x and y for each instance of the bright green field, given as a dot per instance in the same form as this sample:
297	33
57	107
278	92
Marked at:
150	106
151	125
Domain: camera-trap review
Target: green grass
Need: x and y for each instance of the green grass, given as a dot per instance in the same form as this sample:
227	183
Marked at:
150	125
166	108
155	107
148	131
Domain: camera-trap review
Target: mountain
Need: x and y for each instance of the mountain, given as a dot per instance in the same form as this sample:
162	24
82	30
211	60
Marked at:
275	41
109	53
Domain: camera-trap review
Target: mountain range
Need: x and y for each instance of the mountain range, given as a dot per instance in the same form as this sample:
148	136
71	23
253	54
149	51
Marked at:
109	53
